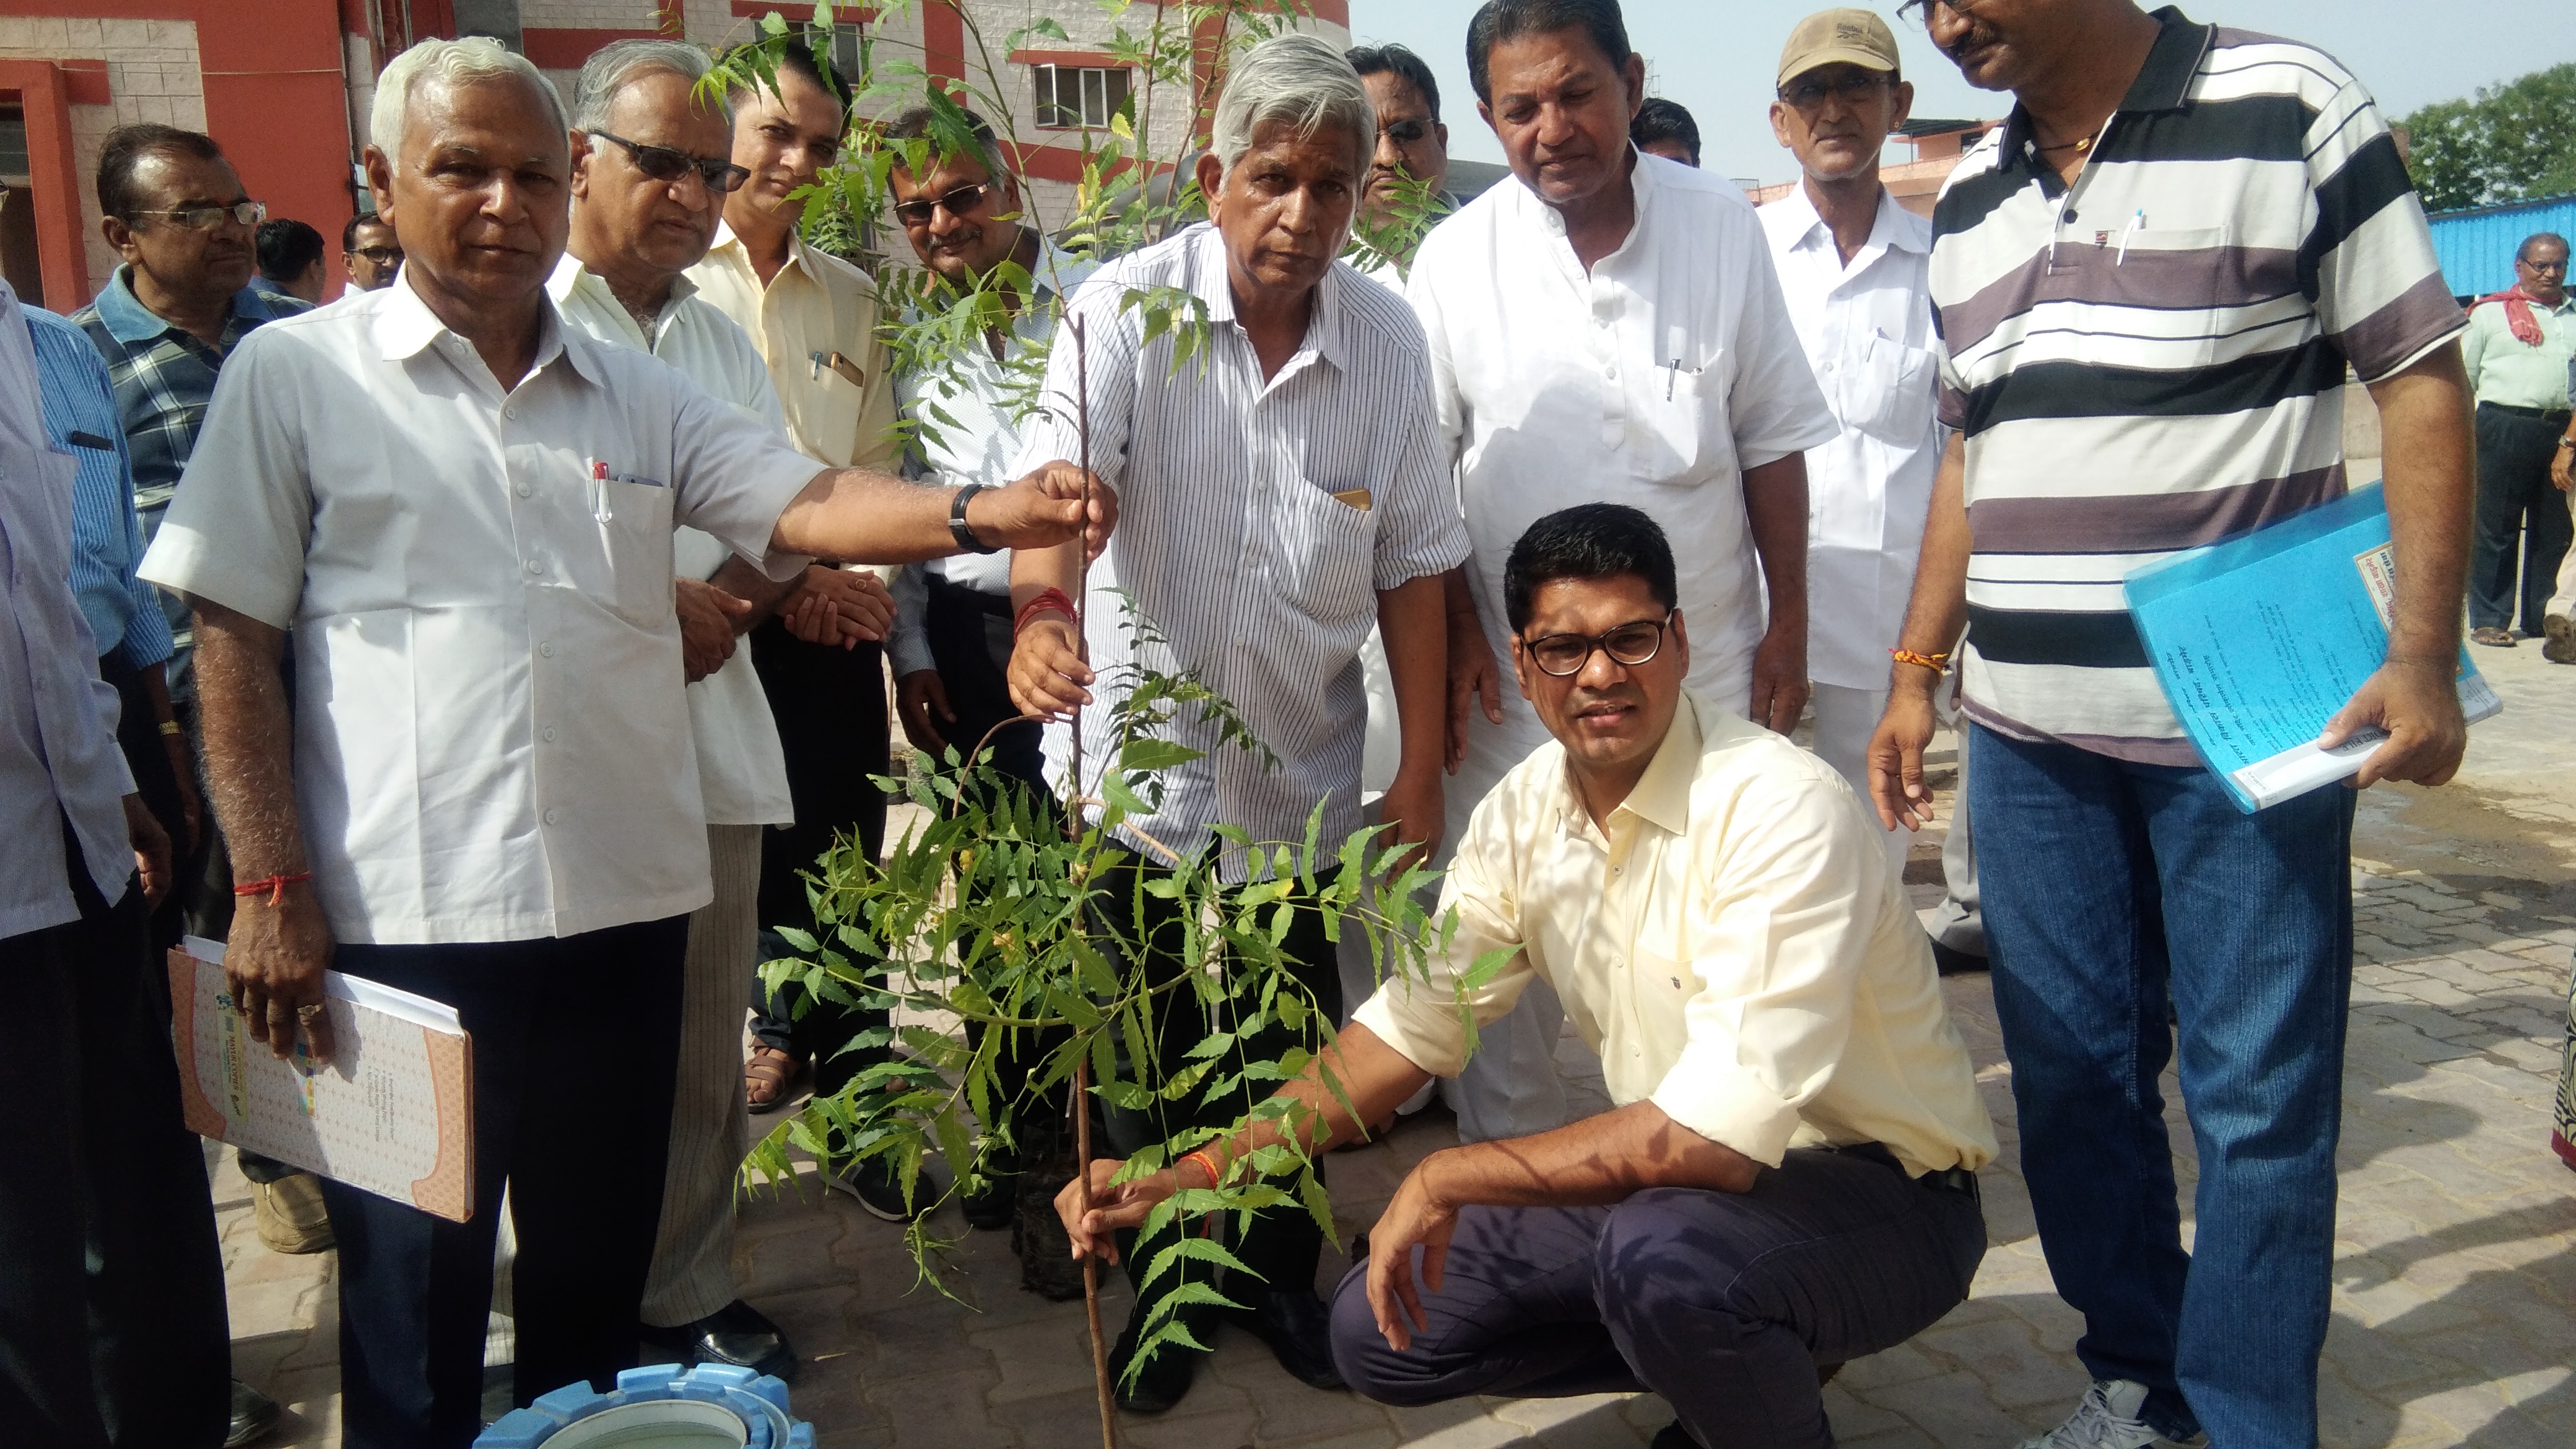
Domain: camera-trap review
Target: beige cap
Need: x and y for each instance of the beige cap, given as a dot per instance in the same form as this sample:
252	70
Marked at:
1838	37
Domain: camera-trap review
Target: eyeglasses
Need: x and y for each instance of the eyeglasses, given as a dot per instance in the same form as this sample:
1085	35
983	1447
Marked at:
1961	8
1405	133
1564	655
1807	93
957	203
207	218
665	164
381	256
2559	265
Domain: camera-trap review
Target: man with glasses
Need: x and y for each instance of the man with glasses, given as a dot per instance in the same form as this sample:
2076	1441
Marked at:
2520	351
651	173
1788	1179
373	255
1410	165
2150	282
1854	268
1606	326
964	214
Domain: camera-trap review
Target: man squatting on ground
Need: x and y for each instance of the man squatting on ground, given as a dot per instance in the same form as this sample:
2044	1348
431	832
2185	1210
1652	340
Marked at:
1788	1179
464	508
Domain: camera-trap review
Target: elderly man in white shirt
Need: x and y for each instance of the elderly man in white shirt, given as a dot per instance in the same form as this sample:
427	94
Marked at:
1788	1179
465	507
1281	497
622	281
1856	270
1605	325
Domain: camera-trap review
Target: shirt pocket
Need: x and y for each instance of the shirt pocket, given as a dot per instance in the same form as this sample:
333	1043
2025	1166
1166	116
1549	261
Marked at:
1327	552
828	406
2175	287
1888	392
1684	438
627	566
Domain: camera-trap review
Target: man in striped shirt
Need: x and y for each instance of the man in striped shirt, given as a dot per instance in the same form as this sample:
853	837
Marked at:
2149	284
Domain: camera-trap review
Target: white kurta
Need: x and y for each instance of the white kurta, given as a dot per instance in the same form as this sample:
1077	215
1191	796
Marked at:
742	770
1867	330
1654	380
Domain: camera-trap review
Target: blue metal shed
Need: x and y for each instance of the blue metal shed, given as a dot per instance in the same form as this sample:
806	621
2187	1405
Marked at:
2476	247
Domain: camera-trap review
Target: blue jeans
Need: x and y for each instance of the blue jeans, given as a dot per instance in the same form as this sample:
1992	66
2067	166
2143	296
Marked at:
2108	886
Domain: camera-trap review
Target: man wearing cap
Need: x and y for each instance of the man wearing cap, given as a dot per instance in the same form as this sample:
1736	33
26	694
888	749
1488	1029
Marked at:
1605	327
1855	268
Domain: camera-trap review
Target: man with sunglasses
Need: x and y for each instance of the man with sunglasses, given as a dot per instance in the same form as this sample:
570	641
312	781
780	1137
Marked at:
652	171
1788	1178
1854	269
2151	281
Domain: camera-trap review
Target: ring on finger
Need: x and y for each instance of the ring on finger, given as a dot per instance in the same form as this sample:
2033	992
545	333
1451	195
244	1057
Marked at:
308	1011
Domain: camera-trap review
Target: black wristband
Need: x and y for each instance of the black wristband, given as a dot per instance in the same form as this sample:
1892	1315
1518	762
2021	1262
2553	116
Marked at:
957	528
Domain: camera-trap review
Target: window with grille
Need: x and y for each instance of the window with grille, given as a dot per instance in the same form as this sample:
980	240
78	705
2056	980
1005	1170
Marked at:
1077	96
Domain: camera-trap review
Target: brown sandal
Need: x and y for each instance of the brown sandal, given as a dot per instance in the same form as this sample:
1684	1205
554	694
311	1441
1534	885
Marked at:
766	1075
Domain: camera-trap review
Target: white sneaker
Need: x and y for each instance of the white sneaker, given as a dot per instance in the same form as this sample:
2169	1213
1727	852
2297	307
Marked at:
2108	1419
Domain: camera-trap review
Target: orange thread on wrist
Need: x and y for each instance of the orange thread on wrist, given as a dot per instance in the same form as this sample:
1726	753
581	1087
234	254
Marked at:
274	887
1206	1160
1933	662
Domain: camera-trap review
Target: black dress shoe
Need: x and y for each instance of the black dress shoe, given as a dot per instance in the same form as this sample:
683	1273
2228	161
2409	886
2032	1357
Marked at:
1166	1376
254	1417
1299	1329
996	1203
1951	961
736	1334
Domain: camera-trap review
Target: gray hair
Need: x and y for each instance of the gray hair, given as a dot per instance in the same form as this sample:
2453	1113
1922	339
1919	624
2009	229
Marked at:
454	62
621	63
1297	79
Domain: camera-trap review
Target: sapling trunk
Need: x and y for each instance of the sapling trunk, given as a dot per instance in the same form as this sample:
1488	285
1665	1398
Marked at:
1073	825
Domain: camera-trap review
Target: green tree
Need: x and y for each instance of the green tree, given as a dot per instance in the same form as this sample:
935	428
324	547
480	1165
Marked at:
2509	142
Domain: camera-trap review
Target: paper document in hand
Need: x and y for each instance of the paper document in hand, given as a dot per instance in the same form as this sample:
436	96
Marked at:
2260	640
393	1113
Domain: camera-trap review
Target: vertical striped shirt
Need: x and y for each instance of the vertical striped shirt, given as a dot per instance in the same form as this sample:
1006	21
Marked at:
2154	358
124	613
1243	536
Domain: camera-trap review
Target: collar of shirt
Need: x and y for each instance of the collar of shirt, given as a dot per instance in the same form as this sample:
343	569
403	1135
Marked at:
1324	328
1888	230
133	324
2163	84
574	277
405	327
1528	206
1660	798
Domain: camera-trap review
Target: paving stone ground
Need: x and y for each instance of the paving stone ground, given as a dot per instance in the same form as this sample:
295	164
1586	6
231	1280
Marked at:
2455	1268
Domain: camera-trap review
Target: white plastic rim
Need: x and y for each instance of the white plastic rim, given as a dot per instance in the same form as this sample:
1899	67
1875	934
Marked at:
659	1424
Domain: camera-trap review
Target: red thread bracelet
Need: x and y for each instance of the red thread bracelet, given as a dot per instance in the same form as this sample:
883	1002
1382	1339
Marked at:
274	887
1056	600
1202	1158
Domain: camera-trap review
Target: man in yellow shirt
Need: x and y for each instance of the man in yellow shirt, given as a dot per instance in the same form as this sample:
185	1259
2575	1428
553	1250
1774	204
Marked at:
1788	1180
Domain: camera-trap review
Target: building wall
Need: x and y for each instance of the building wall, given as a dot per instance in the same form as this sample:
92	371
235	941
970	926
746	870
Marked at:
266	78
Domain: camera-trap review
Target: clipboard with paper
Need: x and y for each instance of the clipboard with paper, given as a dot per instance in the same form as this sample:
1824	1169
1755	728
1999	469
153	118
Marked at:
2260	640
393	1114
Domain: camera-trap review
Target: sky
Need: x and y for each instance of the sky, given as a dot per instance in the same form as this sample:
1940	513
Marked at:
1720	58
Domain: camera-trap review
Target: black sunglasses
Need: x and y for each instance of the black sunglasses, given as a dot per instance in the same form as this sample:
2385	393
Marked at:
665	164
1405	133
957	202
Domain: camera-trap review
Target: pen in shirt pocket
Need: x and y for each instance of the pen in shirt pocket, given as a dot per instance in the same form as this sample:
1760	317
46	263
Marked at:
599	491
2137	223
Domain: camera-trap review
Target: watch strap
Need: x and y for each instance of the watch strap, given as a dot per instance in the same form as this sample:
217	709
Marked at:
957	528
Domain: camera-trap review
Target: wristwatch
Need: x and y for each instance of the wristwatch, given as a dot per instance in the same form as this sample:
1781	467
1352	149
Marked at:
957	528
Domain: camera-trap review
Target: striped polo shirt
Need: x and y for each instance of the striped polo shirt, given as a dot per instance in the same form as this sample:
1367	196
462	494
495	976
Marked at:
2153	358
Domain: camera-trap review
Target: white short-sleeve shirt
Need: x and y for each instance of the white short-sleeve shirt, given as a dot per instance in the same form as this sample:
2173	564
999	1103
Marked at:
491	737
1653	379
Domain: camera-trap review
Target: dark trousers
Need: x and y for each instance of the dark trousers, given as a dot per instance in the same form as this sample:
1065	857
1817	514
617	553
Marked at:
1283	1244
2521	519
1724	1303
830	705
112	1328
970	644
576	1045
2111	889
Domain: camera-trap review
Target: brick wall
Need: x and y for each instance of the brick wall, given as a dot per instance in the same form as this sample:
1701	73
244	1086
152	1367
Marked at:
152	75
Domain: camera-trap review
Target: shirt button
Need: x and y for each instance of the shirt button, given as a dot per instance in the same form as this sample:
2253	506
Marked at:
547	648
511	411
536	566
549	735
525	489
554	817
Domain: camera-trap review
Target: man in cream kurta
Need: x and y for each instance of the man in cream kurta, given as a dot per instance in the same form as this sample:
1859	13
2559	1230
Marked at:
620	281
